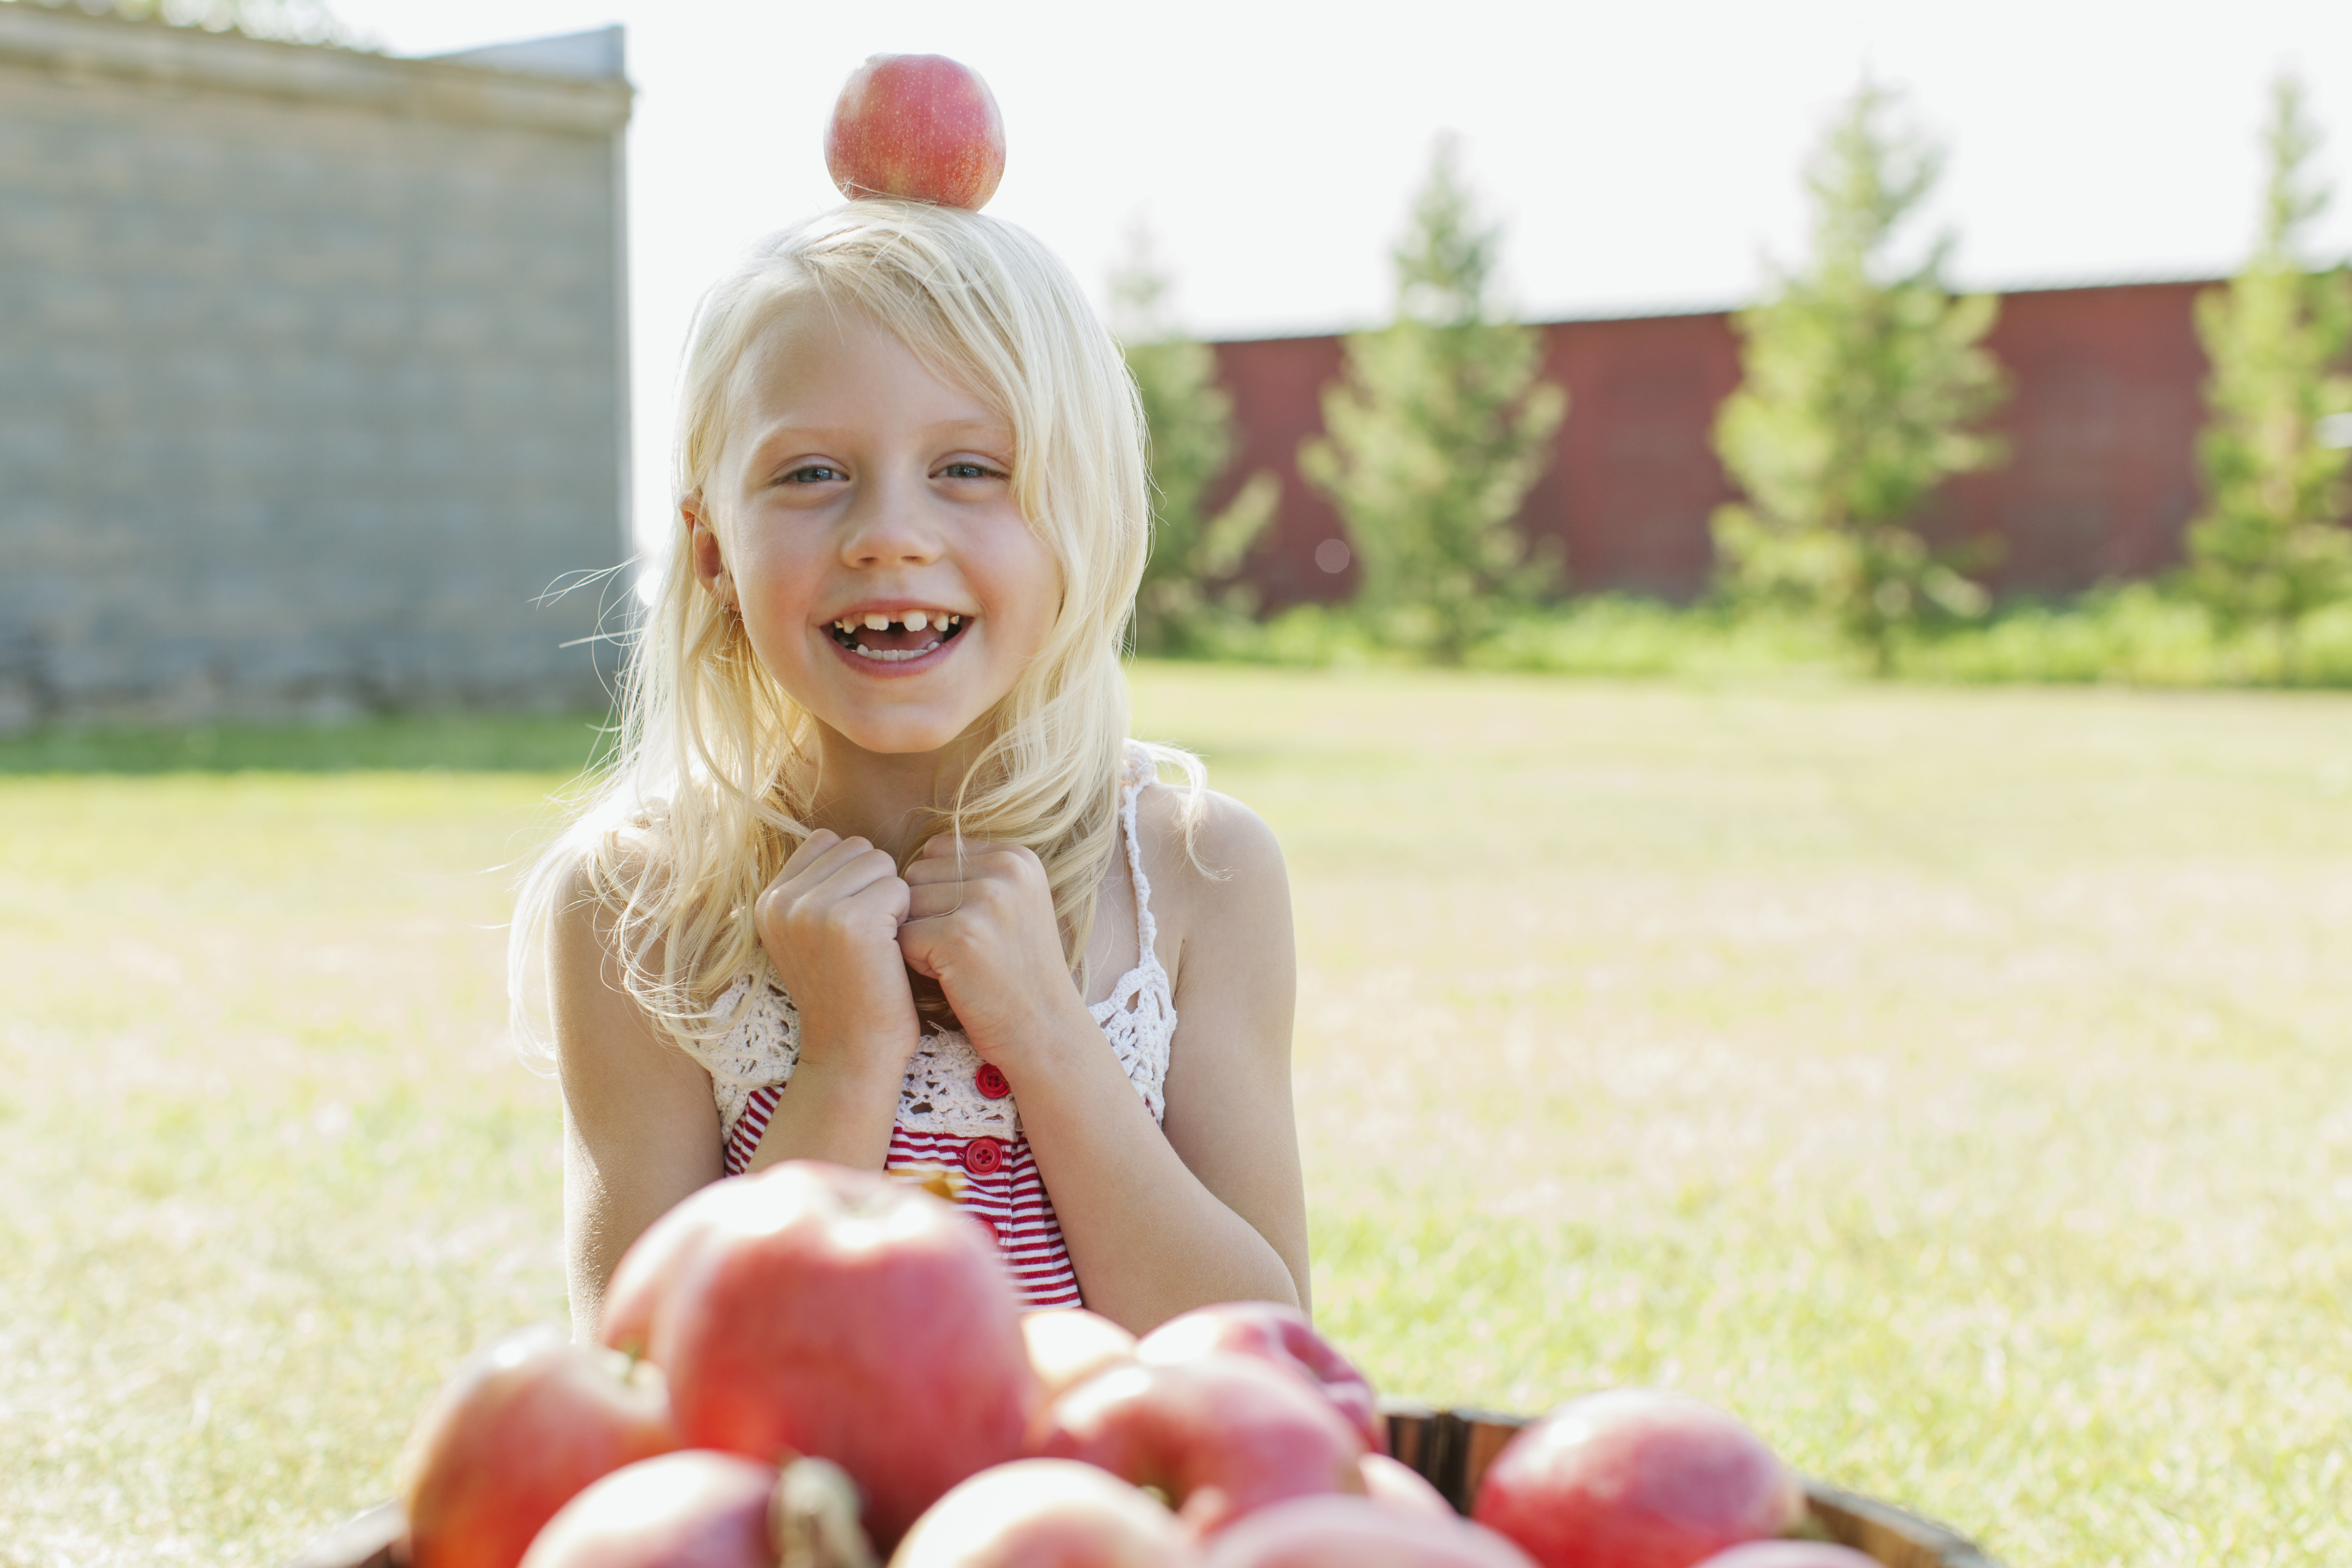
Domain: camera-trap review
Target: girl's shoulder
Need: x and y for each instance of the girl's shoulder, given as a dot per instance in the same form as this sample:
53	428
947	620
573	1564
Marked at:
1207	855
602	873
617	856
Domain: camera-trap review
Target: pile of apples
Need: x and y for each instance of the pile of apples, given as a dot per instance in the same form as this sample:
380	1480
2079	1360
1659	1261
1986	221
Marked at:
813	1366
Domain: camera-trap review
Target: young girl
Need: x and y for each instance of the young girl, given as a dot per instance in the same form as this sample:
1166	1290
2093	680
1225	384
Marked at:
877	877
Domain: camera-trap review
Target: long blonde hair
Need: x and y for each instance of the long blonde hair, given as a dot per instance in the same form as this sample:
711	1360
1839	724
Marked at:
706	796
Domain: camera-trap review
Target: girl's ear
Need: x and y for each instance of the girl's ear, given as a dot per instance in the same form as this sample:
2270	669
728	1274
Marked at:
709	564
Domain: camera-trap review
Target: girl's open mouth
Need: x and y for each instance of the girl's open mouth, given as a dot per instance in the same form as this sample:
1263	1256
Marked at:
896	637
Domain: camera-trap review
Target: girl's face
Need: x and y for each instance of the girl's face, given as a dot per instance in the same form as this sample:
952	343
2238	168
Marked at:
860	517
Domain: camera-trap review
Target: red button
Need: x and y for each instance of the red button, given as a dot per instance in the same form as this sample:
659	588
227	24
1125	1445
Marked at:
991	1081
981	1156
989	1226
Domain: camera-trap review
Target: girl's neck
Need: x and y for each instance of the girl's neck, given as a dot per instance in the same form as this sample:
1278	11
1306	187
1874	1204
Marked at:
884	798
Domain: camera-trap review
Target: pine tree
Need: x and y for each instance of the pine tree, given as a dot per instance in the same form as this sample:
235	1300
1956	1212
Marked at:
1861	382
2271	546
1437	430
1189	592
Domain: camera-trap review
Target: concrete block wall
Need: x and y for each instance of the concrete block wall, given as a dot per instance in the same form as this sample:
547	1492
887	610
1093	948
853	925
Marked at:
311	376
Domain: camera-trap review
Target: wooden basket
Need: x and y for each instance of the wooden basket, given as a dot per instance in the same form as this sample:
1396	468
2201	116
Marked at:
1451	1447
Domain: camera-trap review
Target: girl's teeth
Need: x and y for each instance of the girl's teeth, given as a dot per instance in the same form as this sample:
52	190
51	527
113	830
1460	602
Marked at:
912	620
893	655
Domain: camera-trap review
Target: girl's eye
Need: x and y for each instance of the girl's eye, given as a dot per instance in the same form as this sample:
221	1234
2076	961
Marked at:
961	470
812	474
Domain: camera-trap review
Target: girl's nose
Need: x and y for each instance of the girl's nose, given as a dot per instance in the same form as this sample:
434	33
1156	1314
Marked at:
888	525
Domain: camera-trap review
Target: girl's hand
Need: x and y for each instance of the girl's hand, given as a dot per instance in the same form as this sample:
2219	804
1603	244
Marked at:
981	922
830	925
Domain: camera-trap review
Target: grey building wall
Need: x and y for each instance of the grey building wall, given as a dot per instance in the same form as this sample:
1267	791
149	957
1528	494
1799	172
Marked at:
311	374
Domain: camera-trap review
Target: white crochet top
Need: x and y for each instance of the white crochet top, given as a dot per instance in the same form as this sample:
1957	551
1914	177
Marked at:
940	1095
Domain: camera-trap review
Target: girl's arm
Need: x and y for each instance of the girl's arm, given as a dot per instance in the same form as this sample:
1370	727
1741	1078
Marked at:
1230	1115
640	1125
1215	1208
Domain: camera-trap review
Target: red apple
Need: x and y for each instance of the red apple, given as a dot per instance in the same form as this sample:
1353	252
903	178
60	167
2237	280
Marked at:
1219	1435
1356	1532
689	1509
1636	1478
1790	1554
917	126
1046	1513
641	1282
1392	1483
1068	1345
521	1429
841	1314
1282	1335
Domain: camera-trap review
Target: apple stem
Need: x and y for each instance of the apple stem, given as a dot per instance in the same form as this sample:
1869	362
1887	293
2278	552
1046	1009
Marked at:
812	1519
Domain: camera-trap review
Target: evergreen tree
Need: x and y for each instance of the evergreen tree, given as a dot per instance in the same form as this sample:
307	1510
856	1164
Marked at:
1437	430
1861	382
1189	593
2271	546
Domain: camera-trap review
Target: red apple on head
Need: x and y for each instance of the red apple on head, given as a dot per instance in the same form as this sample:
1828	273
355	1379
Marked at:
920	127
1790	1554
1392	1483
1355	1532
1218	1435
689	1509
840	1315
1046	1513
517	1432
1068	1345
1636	1478
1278	1334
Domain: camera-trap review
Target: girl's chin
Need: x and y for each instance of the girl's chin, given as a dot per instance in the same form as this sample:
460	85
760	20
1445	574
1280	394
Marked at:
900	734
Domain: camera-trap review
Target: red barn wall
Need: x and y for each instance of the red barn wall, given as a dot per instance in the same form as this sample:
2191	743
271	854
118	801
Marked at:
2101	427
2106	399
1277	390
1633	477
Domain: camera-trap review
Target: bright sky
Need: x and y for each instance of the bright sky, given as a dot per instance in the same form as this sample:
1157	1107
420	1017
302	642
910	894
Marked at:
1642	156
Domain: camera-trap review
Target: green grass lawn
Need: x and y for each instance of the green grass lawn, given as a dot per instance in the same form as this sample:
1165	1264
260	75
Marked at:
1956	1083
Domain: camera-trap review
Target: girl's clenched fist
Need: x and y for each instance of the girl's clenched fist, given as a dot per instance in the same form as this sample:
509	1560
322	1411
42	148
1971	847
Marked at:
981	922
829	923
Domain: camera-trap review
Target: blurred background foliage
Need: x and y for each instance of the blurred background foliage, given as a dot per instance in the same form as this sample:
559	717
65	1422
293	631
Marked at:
1191	592
1865	386
1438	429
1865	379
2270	551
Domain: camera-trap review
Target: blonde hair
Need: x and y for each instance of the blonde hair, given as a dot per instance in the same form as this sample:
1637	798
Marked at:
706	796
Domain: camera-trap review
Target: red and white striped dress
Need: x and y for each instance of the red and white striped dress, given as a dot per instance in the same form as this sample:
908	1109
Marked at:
955	1111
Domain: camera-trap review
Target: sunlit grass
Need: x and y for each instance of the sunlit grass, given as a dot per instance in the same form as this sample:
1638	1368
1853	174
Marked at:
1952	1082
268	1165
